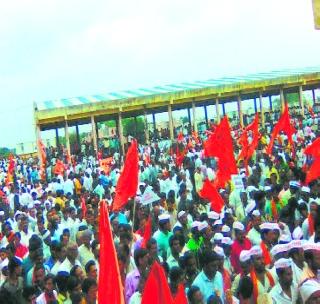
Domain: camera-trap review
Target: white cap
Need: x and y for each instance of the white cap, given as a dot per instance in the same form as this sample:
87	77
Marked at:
311	246
227	241
267	188
1	213
245	256
266	226
256	213
285	238
251	206
225	228
181	213
295	184
238	226
275	226
217	222
203	226
30	206
218	236
282	263
256	250
195	224
305	189
213	215
164	217
279	248
297	233
296	244
219	251
222	190
308	288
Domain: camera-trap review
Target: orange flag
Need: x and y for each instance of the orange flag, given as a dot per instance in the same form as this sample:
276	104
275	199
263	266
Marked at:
284	125
210	192
156	289
147	232
220	145
314	151
180	297
128	181
110	289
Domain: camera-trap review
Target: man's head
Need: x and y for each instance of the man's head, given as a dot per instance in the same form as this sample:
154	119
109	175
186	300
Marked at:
141	258
312	256
210	263
91	270
257	259
175	246
284	272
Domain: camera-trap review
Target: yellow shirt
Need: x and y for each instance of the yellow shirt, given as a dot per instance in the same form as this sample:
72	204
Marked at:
60	202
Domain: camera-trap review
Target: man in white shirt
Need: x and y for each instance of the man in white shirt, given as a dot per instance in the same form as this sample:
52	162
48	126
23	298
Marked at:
284	292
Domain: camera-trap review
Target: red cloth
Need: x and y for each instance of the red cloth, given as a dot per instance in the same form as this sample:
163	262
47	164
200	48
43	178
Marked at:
83	207
210	192
180	297
21	251
266	254
220	145
147	232
110	288
314	151
180	154
128	181
284	125
156	289
59	168
236	249
226	280
180	137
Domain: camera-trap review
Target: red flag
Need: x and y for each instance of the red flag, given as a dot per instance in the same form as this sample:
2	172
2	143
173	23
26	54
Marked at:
180	297
110	289
314	151
180	137
128	181
147	232
156	289
83	207
220	145
284	125
180	156
210	192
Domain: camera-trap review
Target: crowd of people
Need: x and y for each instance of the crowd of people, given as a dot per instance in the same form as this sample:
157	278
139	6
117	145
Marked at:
263	247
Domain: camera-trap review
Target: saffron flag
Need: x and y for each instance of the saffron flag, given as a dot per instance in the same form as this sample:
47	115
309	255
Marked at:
110	289
210	192
180	154
59	168
147	232
220	145
156	289
314	151
43	158
180	297
128	181
284	125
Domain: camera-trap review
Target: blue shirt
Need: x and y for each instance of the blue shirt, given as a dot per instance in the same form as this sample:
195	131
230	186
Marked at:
209	287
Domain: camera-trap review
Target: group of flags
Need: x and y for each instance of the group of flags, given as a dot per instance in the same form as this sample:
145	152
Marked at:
219	145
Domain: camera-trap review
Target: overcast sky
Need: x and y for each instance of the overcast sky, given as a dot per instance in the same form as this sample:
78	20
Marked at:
58	49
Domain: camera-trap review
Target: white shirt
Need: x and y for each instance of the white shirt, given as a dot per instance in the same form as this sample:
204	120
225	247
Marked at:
136	298
279	296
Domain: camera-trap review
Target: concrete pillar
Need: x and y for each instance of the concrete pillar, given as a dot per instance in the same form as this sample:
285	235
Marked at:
194	116
206	115
282	100
66	130
217	110
189	117
301	100
57	137
94	135
154	125
78	134
120	132
261	110
270	102
255	105
170	122
240	110
146	130
313	96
